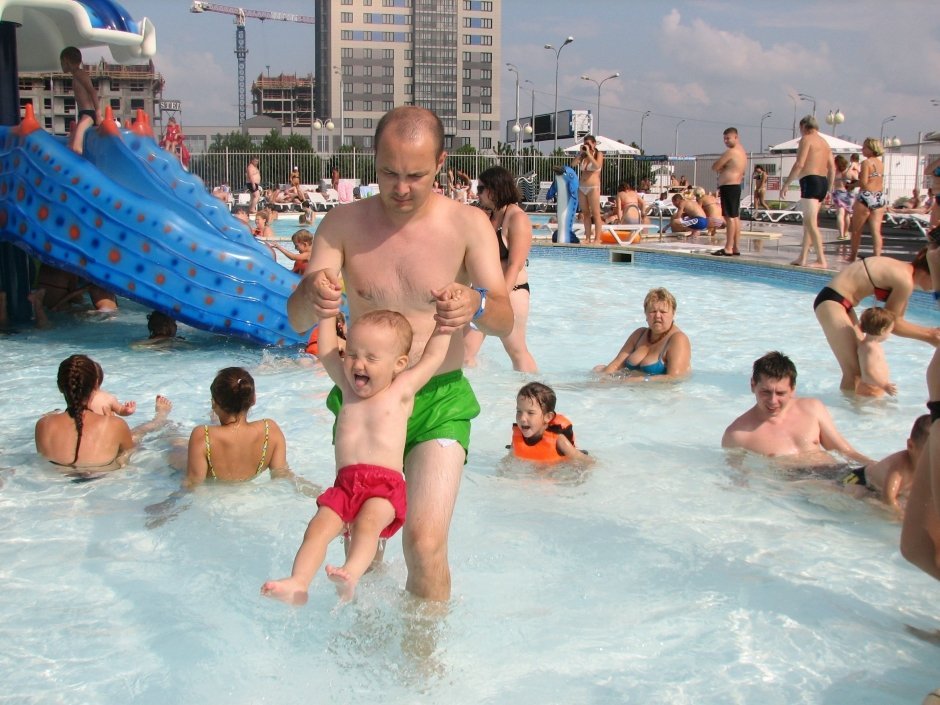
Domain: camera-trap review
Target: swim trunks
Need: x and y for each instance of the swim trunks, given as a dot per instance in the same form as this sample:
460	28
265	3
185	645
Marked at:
696	223
522	287
843	199
813	186
730	200
934	408
355	484
856	476
90	113
442	410
873	200
252	188
828	294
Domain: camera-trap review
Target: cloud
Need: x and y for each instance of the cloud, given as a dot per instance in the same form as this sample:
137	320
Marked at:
208	91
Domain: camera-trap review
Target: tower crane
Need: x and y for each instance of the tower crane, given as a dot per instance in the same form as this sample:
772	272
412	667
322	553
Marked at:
241	47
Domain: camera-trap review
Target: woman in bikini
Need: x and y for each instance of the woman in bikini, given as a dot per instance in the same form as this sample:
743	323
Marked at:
631	208
933	171
237	449
891	282
870	204
81	441
590	161
657	352
500	196
843	199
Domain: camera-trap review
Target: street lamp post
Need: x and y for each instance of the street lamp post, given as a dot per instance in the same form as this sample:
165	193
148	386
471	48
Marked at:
883	123
342	107
597	124
642	120
515	128
835	118
762	118
676	150
810	99
318	125
794	99
555	115
530	128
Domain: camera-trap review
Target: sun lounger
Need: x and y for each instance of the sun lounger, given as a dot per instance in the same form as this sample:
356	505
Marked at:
613	234
918	221
791	214
756	238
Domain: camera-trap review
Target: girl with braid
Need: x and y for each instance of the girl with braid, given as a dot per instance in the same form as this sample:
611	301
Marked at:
80	439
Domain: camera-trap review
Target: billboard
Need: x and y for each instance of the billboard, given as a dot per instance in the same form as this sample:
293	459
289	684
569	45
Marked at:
544	131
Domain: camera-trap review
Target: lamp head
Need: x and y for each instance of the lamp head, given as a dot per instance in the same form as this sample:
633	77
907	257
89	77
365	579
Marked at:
568	41
330	125
317	125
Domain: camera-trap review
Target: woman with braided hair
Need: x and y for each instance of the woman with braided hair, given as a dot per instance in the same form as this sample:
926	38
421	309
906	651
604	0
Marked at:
80	439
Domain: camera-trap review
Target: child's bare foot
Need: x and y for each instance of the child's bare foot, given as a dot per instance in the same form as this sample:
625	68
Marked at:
345	586
36	297
287	590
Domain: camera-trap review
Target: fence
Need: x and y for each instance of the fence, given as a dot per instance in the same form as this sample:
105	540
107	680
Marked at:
904	168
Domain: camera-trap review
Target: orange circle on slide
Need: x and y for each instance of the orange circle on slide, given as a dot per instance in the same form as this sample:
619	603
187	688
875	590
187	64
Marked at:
114	256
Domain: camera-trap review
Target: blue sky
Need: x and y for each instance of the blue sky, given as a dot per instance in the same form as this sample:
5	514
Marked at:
712	63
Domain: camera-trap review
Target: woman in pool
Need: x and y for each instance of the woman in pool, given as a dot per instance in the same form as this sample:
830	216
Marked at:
500	196
891	282
237	449
870	204
590	160
659	351
80	439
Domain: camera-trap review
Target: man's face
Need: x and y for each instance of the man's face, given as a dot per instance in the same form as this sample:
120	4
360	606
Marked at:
731	139
406	169
773	395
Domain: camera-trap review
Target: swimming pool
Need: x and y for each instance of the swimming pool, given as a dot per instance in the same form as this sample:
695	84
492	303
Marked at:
660	576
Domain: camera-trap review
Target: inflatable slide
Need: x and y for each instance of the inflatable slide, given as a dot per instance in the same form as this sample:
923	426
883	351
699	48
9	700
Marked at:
128	220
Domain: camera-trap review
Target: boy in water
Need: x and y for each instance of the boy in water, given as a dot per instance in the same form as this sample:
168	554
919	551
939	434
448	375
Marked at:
368	498
876	323
891	477
86	97
539	433
303	243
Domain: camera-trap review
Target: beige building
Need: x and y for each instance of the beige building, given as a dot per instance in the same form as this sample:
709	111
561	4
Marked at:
124	88
372	55
286	98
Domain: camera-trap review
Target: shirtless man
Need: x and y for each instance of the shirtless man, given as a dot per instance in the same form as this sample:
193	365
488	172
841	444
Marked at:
815	169
253	184
730	168
781	424
689	216
86	97
413	251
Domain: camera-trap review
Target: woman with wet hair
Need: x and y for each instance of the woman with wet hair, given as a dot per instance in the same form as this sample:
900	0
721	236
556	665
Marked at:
237	449
80	439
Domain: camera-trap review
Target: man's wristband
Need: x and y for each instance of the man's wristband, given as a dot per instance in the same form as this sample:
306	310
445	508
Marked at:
482	308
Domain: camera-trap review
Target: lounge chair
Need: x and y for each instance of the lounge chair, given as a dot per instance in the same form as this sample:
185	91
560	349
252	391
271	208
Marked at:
622	234
791	214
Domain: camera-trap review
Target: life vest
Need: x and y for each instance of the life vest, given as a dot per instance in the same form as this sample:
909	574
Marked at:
546	449
300	266
313	342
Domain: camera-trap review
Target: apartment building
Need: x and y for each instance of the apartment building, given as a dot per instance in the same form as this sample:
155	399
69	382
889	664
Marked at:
373	55
286	98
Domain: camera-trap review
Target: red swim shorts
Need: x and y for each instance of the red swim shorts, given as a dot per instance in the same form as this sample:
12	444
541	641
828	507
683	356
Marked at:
356	483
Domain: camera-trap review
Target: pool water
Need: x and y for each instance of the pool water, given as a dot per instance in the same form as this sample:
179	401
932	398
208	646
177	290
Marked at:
662	575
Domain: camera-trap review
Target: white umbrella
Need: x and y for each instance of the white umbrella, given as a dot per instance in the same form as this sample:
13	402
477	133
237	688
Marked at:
838	146
607	146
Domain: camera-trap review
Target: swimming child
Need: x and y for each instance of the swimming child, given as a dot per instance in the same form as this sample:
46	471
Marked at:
540	433
891	477
81	439
106	404
876	323
162	331
86	97
368	498
303	243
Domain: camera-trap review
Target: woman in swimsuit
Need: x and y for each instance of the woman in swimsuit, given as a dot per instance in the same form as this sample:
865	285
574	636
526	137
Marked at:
659	351
890	281
933	171
81	440
870	203
237	449
712	209
842	198
499	194
631	208
590	161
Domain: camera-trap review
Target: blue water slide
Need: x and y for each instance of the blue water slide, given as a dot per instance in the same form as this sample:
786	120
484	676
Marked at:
68	213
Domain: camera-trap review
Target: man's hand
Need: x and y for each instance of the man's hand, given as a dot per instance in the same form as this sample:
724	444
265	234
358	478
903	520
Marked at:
325	292
456	305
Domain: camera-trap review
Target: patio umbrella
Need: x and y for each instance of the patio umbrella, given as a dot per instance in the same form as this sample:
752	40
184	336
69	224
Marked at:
838	146
607	146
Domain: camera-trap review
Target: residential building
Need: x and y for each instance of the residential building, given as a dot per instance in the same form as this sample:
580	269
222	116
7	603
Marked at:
373	55
286	98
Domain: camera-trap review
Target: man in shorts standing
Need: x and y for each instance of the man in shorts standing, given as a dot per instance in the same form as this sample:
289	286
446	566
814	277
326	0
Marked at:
416	252
730	168
253	184
815	169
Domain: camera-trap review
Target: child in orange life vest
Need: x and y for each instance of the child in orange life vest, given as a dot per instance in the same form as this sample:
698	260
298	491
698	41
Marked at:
539	433
303	243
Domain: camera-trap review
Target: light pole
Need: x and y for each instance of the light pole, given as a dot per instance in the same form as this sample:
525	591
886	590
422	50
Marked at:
762	118
597	125
342	107
676	150
319	125
555	115
883	123
642	120
530	128
794	99
810	99
835	118
515	128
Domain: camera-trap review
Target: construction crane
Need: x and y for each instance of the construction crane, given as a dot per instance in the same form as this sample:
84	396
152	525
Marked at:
241	47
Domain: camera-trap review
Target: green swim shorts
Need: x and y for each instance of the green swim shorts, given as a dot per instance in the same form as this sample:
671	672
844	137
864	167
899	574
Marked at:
443	409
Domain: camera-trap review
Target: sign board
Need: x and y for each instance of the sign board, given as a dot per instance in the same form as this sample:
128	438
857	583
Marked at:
582	123
171	105
544	130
